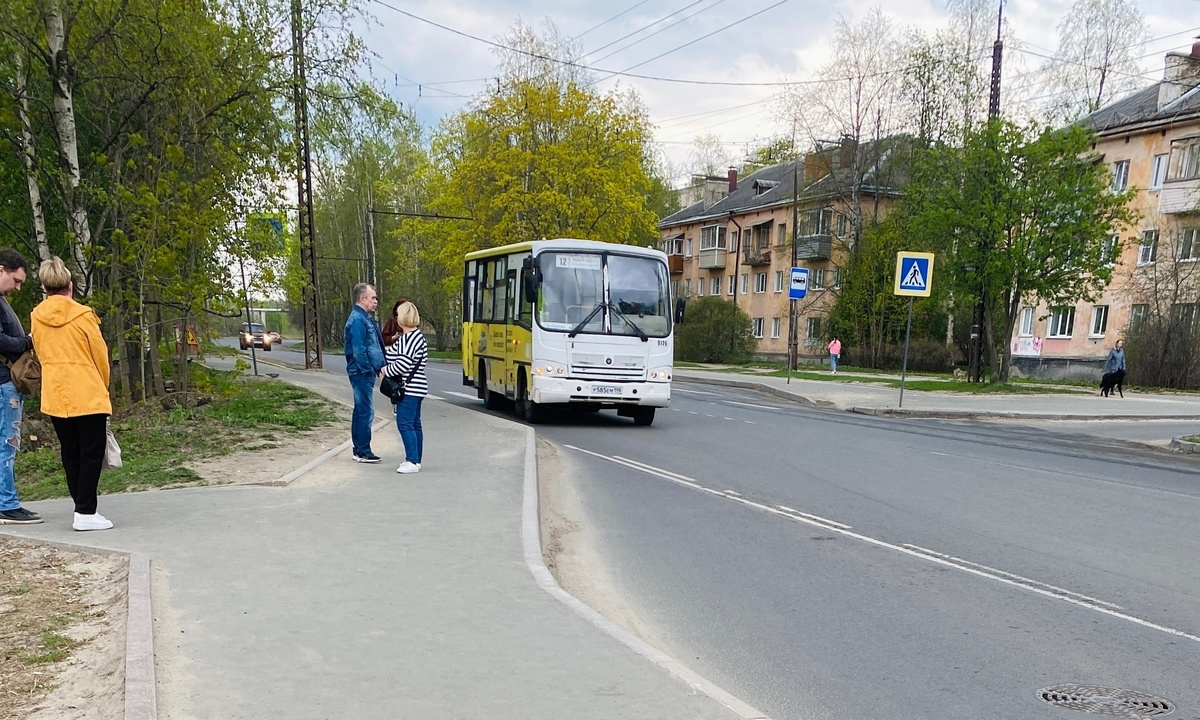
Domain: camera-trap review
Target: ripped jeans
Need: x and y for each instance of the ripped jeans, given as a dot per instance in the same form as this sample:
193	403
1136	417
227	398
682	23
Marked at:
11	406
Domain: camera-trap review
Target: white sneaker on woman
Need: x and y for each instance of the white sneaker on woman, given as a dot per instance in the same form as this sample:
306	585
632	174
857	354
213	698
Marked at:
91	522
408	468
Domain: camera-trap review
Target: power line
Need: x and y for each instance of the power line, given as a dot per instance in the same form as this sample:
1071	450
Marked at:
614	17
656	32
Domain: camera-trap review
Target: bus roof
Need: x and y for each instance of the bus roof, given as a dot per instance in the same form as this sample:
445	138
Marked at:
538	246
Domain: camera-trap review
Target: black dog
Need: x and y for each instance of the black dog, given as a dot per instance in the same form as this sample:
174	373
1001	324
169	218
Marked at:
1111	381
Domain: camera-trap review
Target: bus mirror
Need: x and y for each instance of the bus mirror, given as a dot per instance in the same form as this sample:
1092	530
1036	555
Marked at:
679	311
532	279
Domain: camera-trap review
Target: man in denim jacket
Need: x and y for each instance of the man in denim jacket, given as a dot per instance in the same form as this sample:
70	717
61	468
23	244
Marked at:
364	361
13	341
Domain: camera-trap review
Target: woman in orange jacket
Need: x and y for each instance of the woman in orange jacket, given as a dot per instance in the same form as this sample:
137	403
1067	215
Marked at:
75	370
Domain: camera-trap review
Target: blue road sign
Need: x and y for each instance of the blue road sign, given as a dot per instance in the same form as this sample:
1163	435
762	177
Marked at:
799	286
914	274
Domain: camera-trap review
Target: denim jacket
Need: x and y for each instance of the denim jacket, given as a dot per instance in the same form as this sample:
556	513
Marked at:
364	345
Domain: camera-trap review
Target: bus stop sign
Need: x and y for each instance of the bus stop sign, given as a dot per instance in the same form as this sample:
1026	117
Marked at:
799	286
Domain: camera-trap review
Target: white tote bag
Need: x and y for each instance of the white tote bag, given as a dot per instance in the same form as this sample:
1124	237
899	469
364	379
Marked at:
112	451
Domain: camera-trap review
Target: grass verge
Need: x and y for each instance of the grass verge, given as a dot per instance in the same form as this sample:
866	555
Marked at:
246	414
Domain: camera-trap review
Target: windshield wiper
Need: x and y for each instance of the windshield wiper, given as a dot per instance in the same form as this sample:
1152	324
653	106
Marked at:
632	324
583	323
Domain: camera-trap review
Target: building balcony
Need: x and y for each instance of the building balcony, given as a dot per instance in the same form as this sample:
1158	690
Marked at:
1179	196
814	247
756	256
713	259
675	264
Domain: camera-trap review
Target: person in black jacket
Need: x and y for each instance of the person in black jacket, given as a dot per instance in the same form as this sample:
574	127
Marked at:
13	341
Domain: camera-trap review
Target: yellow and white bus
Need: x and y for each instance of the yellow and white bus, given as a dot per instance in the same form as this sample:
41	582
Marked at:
572	323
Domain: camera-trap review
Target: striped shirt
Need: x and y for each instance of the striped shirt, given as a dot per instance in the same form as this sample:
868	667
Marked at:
410	350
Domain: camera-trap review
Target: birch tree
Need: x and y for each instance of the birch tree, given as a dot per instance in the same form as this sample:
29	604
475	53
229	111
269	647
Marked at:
1097	57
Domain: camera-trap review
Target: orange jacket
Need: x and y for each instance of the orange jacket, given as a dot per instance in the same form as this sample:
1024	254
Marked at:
75	363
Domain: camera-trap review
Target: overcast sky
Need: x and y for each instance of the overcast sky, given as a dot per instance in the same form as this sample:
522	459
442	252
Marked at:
435	71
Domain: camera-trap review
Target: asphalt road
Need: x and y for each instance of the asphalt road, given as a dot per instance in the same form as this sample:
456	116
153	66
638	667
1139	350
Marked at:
826	565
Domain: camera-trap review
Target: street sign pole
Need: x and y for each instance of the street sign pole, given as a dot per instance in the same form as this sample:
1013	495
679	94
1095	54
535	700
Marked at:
904	362
792	344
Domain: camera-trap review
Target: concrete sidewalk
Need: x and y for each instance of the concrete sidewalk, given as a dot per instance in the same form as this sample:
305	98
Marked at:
873	399
355	592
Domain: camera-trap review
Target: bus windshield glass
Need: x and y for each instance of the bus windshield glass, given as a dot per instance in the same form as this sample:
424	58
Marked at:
572	296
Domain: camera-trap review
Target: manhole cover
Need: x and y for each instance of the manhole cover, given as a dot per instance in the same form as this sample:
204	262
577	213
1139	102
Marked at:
1111	702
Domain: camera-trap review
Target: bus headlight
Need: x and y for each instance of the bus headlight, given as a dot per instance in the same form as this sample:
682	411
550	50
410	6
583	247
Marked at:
662	374
550	369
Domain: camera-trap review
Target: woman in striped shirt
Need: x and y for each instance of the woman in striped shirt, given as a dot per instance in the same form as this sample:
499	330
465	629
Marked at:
406	361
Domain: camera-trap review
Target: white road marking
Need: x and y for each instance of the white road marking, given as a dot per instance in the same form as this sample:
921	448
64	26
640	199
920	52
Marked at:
729	419
1013	576
752	405
931	452
810	516
749	422
693	392
734	493
452	372
934	557
431	396
462	395
692	412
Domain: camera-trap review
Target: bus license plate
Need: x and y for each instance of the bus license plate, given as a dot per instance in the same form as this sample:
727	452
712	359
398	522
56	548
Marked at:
606	389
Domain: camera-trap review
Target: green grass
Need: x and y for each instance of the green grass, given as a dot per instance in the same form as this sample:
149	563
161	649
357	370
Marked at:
455	354
55	647
156	443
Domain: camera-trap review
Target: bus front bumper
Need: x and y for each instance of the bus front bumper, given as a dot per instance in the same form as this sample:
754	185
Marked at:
549	391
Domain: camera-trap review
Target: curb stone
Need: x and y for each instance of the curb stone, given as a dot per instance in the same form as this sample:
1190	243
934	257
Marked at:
1178	444
141	702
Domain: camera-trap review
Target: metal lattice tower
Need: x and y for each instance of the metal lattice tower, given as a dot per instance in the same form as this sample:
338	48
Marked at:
306	238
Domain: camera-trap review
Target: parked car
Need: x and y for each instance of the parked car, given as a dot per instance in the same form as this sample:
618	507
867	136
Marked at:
253	334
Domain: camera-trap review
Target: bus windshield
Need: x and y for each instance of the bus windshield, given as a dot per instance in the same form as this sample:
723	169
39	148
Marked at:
573	297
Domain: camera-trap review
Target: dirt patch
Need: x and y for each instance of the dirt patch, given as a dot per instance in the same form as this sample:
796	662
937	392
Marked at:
265	460
569	545
62	633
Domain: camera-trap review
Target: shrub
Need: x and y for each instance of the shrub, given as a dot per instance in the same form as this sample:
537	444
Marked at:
714	330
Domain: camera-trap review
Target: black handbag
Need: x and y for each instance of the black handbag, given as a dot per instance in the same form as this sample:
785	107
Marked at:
393	388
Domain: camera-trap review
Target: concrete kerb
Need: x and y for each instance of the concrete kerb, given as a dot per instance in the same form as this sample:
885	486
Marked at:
531	536
1178	444
757	386
141	702
1001	415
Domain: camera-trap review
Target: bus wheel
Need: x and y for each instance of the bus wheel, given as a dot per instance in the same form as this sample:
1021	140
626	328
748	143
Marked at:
491	400
533	413
643	415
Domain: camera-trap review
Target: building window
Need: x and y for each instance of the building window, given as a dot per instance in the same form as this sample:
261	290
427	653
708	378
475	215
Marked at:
775	327
758	327
837	277
716	285
1185	160
687	287
1159	173
689	248
1099	320
1138	313
841	225
674	246
1185	315
1026	322
1120	176
732	283
778	281
812	331
1189	244
816	278
712	238
1062	322
1148	249
745	282
700	286
760	282
1109	248
781	240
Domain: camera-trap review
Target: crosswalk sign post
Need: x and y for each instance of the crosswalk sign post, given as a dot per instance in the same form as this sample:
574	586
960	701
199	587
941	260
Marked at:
914	278
797	289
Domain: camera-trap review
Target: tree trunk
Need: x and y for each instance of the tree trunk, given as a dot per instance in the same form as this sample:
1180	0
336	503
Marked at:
63	111
155	379
29	156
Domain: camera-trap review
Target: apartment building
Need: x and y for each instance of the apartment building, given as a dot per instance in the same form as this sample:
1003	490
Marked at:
1150	140
740	246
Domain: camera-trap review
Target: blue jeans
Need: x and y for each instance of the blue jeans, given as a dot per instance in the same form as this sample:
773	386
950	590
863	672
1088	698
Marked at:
408	422
364	413
833	362
11	405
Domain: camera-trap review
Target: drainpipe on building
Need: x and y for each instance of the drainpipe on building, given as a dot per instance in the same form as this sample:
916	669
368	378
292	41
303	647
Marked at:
737	253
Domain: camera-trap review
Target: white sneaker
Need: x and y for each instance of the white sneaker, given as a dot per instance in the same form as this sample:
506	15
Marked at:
91	522
409	468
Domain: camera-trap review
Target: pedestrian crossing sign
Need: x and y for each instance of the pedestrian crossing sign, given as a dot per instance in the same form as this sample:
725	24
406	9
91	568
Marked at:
914	274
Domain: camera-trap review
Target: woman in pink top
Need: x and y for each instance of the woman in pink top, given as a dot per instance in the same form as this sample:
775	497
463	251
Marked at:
835	349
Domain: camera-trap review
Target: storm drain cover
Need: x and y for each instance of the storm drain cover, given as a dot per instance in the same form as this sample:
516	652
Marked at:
1110	702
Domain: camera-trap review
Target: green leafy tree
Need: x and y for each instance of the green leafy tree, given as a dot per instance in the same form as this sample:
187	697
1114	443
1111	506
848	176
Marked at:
715	330
1016	214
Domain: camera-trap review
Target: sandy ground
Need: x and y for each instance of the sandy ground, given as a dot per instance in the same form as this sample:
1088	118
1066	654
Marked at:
77	595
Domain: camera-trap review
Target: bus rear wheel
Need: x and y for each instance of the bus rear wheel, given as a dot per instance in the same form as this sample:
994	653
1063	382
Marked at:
531	412
491	400
643	416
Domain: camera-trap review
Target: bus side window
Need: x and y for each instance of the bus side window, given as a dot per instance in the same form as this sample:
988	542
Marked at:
525	306
486	287
511	295
499	291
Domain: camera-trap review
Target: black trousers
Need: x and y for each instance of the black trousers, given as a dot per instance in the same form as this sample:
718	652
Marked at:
82	441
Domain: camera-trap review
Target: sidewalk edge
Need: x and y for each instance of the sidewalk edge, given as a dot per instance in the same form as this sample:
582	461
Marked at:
141	701
531	538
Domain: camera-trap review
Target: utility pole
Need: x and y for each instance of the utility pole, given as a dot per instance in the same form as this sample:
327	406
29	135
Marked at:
975	349
370	242
793	314
306	239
